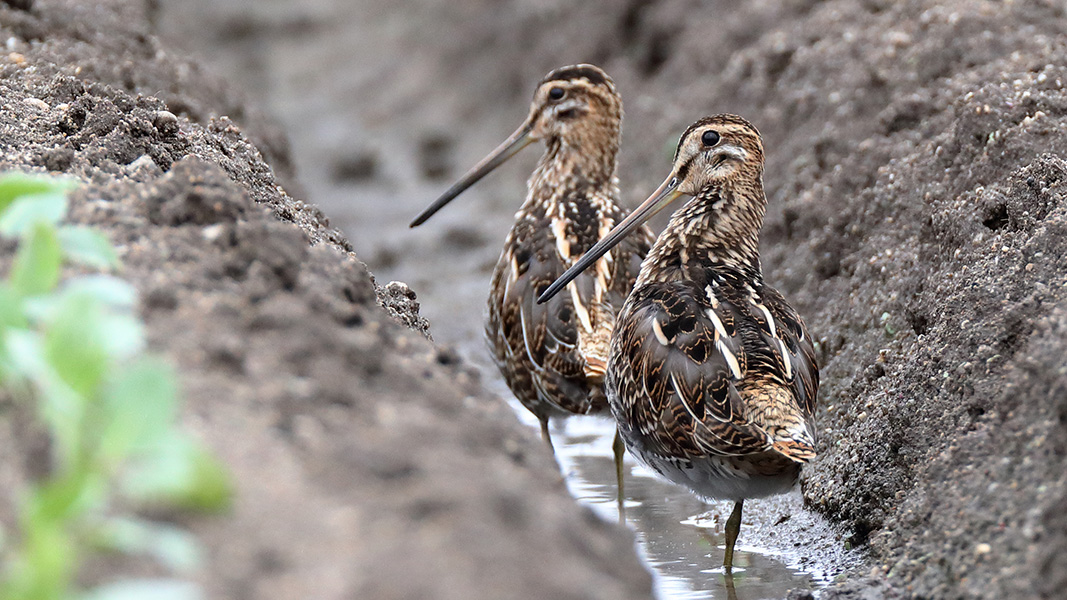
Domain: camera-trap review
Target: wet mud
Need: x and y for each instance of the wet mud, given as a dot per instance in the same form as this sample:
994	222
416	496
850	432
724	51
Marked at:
917	219
915	159
367	462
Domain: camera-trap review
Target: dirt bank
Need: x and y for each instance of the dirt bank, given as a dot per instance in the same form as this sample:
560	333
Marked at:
919	221
918	213
368	463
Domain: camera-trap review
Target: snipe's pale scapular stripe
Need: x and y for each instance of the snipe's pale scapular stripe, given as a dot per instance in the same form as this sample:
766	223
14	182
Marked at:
712	377
553	356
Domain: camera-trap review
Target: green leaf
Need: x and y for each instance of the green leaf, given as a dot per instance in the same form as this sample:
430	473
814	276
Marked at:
139	408
180	474
49	554
174	548
36	268
117	297
105	306
27	212
14	185
67	496
145	589
12	317
26	349
112	291
59	406
42	570
63	410
83	337
122	334
75	344
12	312
87	246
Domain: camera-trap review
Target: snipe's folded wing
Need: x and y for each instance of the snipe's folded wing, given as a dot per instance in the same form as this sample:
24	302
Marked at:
544	338
797	352
677	360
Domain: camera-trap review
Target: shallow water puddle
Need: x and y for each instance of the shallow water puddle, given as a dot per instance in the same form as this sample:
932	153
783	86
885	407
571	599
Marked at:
782	546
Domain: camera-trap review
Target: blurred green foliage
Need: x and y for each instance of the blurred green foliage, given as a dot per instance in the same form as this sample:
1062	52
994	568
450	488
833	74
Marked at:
74	350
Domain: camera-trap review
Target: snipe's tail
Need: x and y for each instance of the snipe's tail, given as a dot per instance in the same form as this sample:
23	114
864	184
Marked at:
795	450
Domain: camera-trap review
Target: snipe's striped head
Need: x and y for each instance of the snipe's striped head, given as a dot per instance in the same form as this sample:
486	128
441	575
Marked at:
713	153
576	106
572	100
715	150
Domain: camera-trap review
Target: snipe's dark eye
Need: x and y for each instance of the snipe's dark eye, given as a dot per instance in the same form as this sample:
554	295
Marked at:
710	138
556	93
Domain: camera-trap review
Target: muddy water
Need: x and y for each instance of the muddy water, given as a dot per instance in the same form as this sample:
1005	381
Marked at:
354	96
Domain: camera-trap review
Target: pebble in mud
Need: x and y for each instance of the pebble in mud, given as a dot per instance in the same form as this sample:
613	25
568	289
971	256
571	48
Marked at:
165	123
36	103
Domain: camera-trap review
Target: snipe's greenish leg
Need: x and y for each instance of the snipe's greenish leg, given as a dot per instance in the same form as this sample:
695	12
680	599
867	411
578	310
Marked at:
618	449
733	528
547	436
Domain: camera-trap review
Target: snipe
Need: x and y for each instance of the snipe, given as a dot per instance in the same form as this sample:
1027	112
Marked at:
554	355
712	377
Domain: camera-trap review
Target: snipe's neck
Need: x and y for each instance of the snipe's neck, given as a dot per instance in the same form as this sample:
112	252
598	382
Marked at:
715	232
574	164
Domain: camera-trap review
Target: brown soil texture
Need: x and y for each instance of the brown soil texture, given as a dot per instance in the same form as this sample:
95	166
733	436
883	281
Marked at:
918	219
368	463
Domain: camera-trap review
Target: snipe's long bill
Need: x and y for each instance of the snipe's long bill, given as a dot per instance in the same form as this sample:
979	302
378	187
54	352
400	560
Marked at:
553	356
510	147
712	377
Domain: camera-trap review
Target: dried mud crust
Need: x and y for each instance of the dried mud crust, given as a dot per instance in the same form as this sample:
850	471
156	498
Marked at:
368	463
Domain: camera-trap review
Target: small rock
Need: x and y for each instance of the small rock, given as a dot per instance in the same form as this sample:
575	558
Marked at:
983	548
399	288
143	163
36	103
213	232
165	123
